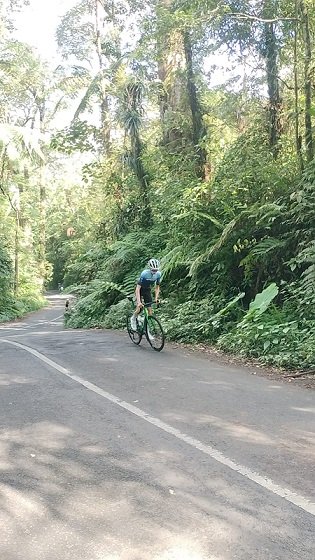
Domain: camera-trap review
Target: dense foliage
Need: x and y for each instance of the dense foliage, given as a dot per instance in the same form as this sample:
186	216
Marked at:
165	155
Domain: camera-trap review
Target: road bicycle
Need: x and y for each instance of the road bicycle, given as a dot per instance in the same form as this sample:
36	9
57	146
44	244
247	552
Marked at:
147	325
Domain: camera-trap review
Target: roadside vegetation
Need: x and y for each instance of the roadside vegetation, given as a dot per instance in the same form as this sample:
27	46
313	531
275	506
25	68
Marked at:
162	155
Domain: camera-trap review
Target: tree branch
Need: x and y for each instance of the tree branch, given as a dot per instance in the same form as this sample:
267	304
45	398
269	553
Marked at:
301	373
1	181
260	67
240	15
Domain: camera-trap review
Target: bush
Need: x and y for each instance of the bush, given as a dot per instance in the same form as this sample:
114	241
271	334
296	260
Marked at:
274	340
91	309
116	316
14	308
196	321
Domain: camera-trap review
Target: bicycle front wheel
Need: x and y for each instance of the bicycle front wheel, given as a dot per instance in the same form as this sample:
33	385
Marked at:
154	333
134	336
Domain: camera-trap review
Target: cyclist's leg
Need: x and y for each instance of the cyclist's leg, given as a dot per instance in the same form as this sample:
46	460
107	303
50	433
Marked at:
147	298
133	320
144	297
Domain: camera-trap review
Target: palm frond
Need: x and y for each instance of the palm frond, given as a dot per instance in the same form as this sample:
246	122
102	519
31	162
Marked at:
255	212
132	122
92	89
21	139
210	218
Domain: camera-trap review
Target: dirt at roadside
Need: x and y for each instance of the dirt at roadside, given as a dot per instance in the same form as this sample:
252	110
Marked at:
254	367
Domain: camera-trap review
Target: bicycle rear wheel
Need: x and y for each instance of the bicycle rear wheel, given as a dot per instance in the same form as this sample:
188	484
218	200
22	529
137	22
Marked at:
154	333
134	336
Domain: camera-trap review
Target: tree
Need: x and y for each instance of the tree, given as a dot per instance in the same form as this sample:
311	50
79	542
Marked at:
90	32
132	119
271	55
305	24
198	127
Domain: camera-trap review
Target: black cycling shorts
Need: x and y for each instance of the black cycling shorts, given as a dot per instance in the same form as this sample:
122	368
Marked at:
146	294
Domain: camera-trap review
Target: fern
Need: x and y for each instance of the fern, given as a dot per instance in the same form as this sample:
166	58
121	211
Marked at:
173	260
267	245
217	246
262	250
308	282
303	289
257	212
129	283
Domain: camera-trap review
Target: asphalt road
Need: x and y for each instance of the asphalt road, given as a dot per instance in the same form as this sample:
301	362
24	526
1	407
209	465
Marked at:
113	452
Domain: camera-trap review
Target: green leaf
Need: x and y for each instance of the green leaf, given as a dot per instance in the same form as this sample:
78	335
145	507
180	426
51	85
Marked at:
211	219
260	304
263	300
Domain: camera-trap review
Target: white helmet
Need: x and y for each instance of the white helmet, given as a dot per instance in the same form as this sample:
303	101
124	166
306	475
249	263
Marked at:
154	264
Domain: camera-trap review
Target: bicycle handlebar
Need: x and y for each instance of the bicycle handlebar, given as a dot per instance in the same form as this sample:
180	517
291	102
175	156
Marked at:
150	304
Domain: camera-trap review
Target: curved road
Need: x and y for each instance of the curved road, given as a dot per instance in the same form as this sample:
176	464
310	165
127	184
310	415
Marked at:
113	452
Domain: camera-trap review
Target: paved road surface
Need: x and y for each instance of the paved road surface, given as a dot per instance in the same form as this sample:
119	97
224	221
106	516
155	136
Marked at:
113	452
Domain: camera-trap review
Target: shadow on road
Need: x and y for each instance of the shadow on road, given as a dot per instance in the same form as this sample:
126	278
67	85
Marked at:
101	491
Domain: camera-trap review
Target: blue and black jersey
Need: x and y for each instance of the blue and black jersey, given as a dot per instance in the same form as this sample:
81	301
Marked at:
148	279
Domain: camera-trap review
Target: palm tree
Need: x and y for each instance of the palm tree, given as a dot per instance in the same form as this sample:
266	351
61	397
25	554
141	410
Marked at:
132	121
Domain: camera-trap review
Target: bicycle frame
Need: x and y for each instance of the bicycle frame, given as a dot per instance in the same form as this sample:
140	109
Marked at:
144	311
148	325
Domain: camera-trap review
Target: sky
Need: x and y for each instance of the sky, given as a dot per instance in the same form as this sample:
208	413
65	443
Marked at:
37	23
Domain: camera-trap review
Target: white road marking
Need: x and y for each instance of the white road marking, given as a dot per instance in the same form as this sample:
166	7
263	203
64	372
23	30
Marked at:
262	481
25	326
43	322
43	333
13	328
59	317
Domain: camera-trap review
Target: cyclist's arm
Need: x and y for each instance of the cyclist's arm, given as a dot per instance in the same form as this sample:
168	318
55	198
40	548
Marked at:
138	296
157	292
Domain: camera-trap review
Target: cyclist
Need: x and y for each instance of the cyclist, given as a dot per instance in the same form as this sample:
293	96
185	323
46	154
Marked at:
149	277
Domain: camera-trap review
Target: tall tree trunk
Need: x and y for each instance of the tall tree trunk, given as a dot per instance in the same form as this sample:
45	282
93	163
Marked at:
106	137
275	102
196	113
42	200
133	98
15	206
307	82
173	97
42	220
17	248
298	138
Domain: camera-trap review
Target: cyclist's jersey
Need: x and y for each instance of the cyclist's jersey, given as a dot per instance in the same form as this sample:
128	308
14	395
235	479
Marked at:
148	279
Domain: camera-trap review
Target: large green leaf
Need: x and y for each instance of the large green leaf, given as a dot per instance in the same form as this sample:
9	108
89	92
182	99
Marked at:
261	302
